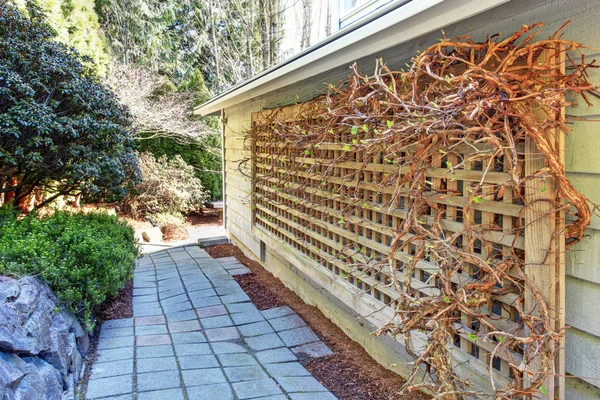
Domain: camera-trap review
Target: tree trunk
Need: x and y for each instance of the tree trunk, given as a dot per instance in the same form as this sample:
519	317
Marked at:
215	47
306	23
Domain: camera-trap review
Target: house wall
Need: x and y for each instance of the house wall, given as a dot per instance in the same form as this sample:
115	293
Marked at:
582	162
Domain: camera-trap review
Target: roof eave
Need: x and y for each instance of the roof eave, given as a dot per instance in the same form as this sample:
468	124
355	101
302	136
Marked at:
407	22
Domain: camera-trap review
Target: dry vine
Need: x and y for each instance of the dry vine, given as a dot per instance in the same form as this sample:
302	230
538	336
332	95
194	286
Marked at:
456	94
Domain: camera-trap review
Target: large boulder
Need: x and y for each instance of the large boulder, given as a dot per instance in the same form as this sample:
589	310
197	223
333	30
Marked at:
41	347
29	378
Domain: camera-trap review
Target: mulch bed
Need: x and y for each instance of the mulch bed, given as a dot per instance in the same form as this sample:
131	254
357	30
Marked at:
206	217
117	308
350	374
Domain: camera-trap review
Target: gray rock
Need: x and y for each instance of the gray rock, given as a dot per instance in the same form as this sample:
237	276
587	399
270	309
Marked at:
26	319
40	348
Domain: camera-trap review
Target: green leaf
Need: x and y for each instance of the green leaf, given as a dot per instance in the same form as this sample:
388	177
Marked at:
477	199
501	339
543	189
447	78
472	336
354	130
449	164
354	141
307	152
442	152
341	221
447	299
389	124
346	147
365	128
543	390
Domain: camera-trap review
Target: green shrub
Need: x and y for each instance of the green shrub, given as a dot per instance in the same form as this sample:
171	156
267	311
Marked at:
167	187
84	258
204	156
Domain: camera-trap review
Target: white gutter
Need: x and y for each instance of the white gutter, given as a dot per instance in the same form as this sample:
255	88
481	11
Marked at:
401	25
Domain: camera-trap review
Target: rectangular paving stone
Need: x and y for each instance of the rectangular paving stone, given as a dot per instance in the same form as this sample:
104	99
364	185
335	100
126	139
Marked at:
113	343
212	311
170	293
156	364
122	353
152	340
275	356
117	323
197	286
153	351
222	334
287	322
199	377
237	360
245	373
227	348
206	301
192	349
182	316
300	384
188	337
112	368
277	312
235	298
240	271
198	362
220	391
174	300
173	308
242	308
153	298
255	329
150	330
260	388
115	332
313	396
148	312
184	326
315	349
150	381
247	317
216	322
264	342
113	386
286	369
143	292
170	394
298	336
153	320
201	294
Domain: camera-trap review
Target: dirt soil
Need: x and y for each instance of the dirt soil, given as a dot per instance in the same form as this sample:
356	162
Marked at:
350	374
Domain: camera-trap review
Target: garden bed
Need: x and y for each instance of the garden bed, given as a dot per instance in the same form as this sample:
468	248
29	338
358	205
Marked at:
350	374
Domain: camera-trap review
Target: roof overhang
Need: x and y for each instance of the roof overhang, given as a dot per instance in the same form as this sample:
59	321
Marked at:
387	28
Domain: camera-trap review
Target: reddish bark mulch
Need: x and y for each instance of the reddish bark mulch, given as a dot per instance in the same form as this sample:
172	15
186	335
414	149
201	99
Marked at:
173	233
350	374
208	216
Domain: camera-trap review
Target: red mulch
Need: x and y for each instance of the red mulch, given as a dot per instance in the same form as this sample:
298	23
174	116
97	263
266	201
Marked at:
206	217
173	233
350	374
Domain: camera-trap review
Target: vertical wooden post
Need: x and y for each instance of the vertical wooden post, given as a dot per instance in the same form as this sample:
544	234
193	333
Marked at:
544	248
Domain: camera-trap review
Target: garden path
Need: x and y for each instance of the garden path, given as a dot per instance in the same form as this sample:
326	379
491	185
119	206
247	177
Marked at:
195	335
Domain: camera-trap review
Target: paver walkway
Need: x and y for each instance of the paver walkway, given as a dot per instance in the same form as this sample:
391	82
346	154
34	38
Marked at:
195	335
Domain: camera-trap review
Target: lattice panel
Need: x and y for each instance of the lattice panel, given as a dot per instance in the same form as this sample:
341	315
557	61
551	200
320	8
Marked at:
311	214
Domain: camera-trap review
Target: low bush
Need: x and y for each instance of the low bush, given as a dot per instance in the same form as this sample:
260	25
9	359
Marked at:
85	259
168	186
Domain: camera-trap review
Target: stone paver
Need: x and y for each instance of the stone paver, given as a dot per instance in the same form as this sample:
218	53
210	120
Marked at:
195	335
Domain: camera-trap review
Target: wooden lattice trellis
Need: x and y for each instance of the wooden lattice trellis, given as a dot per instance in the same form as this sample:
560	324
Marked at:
334	197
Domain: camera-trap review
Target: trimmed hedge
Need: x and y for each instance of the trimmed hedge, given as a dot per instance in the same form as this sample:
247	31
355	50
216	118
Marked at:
84	258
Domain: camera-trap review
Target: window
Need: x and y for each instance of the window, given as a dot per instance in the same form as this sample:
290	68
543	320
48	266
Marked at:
353	10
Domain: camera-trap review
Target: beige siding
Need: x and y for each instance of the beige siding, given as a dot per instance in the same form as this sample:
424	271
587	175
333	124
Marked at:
582	156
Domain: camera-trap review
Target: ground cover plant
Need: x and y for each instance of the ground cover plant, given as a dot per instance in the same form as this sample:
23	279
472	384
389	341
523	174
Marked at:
84	258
